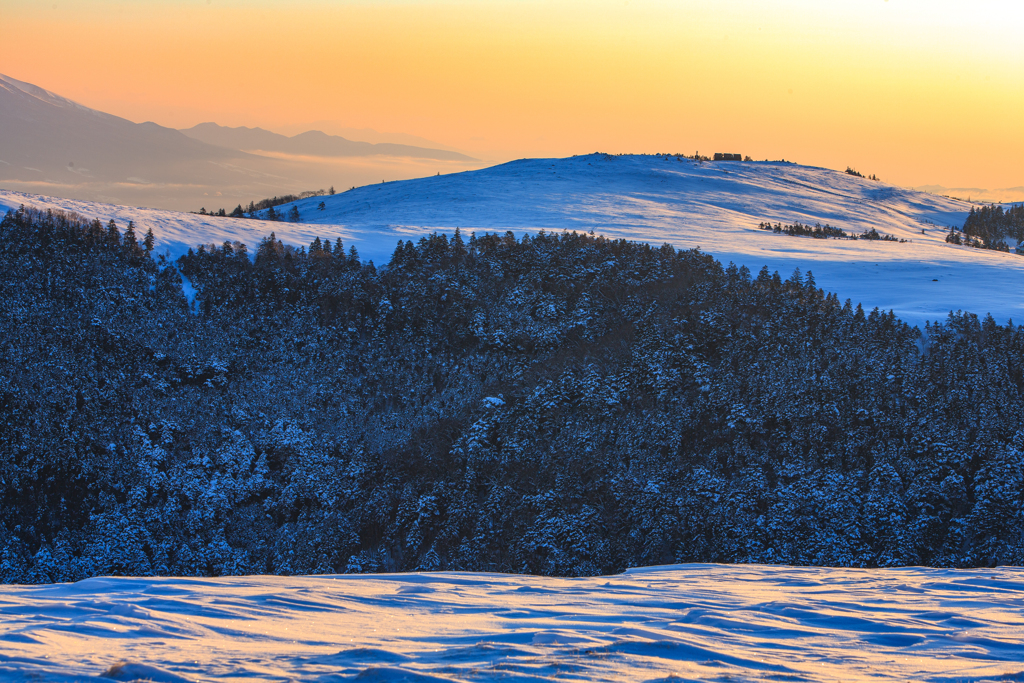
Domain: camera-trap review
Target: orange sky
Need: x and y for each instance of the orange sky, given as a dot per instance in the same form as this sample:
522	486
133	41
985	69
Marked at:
915	91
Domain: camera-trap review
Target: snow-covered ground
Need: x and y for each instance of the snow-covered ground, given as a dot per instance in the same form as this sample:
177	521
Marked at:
714	205
690	622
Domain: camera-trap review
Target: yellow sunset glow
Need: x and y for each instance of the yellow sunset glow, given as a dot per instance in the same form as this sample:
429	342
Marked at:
916	92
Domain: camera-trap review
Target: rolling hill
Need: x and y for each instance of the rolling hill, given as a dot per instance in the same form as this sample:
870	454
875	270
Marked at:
714	205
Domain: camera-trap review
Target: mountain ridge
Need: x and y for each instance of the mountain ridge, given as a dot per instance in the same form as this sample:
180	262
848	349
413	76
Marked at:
51	145
310	143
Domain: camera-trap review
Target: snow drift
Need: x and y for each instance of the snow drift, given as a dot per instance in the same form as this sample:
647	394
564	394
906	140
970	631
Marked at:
686	622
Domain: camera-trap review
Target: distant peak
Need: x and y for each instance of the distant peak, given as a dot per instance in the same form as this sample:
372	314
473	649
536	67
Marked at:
210	125
47	97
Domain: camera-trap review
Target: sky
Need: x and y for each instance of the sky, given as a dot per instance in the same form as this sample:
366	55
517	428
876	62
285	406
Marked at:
915	91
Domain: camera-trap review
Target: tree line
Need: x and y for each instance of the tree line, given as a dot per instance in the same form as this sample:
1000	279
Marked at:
827	231
254	209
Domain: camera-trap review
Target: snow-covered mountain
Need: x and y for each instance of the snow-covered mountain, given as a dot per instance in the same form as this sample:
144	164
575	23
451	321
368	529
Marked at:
684	622
48	139
54	146
716	206
688	622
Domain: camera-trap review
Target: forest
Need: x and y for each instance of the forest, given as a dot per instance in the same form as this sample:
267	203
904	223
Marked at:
558	404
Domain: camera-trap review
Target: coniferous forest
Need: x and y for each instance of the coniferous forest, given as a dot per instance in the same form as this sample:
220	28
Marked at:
988	227
557	404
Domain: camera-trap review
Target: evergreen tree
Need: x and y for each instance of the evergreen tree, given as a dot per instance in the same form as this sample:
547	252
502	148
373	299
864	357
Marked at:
130	242
113	235
96	232
458	246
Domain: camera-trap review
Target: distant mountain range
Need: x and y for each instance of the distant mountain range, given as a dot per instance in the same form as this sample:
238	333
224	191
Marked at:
310	143
48	139
977	194
54	146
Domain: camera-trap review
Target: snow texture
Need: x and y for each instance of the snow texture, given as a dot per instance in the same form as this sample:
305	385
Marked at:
707	622
716	206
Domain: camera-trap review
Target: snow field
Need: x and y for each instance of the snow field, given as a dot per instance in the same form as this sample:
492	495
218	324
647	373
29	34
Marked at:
707	622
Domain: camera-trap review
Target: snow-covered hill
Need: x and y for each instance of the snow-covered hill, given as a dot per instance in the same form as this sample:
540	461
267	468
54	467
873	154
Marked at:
687	622
714	205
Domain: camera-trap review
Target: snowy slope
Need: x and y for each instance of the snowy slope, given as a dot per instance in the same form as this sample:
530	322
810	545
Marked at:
175	232
714	205
707	622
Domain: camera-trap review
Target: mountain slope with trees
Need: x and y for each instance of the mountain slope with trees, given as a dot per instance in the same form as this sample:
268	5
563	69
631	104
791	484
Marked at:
654	199
557	404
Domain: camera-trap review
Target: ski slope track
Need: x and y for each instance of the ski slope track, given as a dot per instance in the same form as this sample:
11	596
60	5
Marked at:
712	205
673	623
